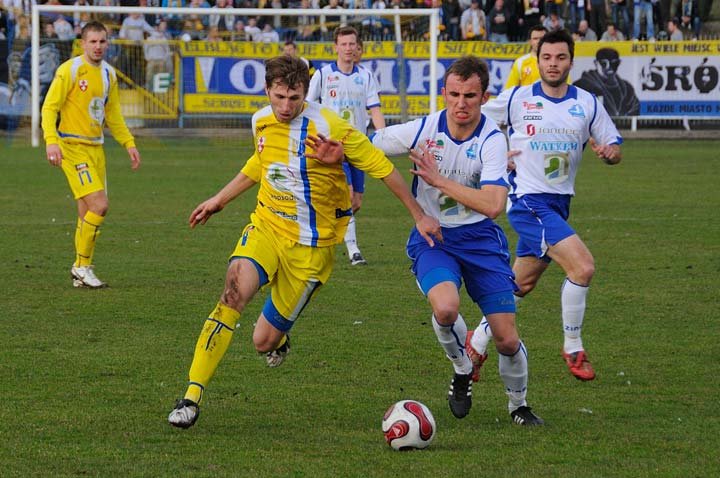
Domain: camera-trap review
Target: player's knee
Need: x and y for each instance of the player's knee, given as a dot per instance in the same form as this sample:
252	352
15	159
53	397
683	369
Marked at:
99	207
263	345
507	343
583	272
446	313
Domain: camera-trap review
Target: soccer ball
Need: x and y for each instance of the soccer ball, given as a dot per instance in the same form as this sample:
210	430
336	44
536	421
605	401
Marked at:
408	425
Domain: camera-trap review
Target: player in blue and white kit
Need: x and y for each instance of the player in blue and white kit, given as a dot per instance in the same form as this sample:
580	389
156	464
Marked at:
549	124
351	91
461	179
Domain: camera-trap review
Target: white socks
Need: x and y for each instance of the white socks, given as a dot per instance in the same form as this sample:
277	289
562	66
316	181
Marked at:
452	339
514	374
351	238
572	297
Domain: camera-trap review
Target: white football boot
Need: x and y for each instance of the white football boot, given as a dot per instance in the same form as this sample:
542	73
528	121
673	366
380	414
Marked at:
84	276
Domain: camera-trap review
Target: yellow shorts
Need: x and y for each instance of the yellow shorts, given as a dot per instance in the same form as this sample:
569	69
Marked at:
84	167
293	271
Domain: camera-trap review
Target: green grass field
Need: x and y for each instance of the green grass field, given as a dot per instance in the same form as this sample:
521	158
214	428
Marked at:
88	377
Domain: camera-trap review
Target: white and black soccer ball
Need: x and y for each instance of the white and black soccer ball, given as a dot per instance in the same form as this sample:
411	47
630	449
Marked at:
408	425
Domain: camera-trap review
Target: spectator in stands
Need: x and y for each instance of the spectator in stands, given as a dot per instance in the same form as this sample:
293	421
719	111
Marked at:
201	21
268	35
213	35
576	12
176	23
690	19
305	20
553	22
108	18
451	13
80	19
596	14
643	8
48	31
673	30
619	8
157	54
223	22
531	15
64	29
498	20
329	23
22	28
586	33
252	30
473	23
133	29
239	33
612	33
308	33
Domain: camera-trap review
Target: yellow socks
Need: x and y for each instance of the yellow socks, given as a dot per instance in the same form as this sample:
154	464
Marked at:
212	344
86	234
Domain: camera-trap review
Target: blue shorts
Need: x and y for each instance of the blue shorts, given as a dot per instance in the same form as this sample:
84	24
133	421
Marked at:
540	221
355	177
476	254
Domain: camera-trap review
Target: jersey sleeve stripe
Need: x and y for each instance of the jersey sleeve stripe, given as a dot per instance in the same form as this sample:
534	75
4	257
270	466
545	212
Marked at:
422	125
312	219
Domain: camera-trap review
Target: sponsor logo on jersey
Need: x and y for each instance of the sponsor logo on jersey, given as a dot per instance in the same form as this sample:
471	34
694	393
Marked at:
530	129
570	131
471	152
332	79
532	117
532	106
83	84
577	111
358	80
333	93
281	178
553	146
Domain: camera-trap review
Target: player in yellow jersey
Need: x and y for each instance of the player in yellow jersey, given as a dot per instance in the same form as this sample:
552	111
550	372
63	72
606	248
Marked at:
524	70
84	93
303	208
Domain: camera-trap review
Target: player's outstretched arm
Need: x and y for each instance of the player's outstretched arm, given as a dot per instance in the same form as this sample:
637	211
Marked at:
233	189
427	226
325	150
609	153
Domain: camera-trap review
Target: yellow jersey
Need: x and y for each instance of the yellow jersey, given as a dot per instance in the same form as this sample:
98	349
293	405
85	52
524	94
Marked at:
300	198
524	71
86	98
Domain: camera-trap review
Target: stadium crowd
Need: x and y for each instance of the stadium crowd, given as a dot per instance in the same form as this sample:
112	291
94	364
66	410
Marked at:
492	20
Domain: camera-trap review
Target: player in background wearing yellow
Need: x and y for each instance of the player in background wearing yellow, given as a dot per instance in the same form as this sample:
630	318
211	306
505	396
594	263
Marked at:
84	93
524	70
302	211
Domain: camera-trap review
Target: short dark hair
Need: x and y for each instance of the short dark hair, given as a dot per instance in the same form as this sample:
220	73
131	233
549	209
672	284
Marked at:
287	70
342	31
558	36
468	66
93	26
537	28
290	42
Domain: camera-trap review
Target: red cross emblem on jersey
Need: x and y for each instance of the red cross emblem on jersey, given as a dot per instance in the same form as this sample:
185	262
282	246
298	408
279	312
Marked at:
83	84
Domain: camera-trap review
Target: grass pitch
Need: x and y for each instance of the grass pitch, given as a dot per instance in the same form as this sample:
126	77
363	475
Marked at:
89	376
